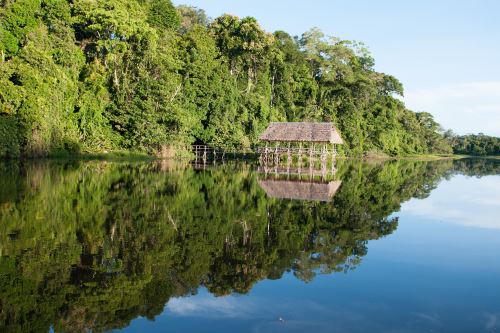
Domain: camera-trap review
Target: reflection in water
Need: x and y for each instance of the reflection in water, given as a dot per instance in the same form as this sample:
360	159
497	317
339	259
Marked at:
300	190
472	203
297	183
93	245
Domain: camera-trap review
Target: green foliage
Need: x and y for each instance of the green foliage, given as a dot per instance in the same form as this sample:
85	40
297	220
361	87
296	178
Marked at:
17	19
103	75
8	137
191	16
163	15
94	99
474	144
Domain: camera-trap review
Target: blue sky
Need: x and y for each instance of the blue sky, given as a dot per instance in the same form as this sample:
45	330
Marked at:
446	53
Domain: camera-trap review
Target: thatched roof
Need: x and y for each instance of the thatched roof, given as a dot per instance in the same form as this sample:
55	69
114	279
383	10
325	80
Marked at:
302	132
300	190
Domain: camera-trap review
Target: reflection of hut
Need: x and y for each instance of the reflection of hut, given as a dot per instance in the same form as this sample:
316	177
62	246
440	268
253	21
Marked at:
317	138
300	190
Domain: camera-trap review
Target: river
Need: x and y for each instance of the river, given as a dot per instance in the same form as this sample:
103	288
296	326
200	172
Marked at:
395	246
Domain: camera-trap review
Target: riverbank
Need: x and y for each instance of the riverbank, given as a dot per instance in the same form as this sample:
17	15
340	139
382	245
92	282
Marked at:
140	156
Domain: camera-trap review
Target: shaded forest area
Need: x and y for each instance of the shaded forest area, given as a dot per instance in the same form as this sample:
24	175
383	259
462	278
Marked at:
103	75
474	144
89	246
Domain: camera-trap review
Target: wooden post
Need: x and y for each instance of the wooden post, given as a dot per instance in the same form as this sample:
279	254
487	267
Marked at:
332	158
300	157
311	149
276	154
265	154
324	160
334	155
288	158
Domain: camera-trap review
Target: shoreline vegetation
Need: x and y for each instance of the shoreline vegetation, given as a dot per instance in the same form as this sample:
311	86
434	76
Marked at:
134	156
143	78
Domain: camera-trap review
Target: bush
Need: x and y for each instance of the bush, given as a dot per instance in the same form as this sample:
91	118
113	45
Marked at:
9	138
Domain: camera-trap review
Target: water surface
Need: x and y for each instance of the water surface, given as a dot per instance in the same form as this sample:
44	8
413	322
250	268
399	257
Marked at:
399	246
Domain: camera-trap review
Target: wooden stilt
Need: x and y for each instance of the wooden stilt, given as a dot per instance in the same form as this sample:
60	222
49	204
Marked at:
311	148
265	155
288	160
300	157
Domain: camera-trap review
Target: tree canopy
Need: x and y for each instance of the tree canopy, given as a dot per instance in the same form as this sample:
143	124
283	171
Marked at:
474	144
95	76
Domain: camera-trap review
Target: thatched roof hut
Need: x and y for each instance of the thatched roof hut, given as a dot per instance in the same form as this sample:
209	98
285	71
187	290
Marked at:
302	132
300	190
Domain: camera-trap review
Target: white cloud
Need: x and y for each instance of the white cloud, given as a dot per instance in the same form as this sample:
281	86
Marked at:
299	314
465	201
465	108
212	307
492	320
431	318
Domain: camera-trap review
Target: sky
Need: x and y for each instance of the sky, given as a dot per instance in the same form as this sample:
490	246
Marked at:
445	52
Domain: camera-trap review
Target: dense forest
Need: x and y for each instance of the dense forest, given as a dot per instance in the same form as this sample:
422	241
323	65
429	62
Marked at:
142	75
474	144
89	246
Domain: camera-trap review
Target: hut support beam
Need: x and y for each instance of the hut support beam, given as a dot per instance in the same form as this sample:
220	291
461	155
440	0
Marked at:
300	156
276	154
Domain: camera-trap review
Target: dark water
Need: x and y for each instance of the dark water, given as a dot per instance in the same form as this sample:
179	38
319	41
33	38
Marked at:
400	246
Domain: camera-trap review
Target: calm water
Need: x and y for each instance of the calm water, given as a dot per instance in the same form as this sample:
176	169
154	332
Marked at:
400	246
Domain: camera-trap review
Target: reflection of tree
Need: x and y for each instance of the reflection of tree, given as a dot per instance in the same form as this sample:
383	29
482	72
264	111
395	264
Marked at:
94	245
477	167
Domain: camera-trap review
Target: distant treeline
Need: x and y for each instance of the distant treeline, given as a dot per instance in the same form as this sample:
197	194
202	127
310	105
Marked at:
472	144
95	76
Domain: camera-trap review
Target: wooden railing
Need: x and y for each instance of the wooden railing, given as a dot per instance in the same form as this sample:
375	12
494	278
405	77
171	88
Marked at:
206	153
266	155
261	150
